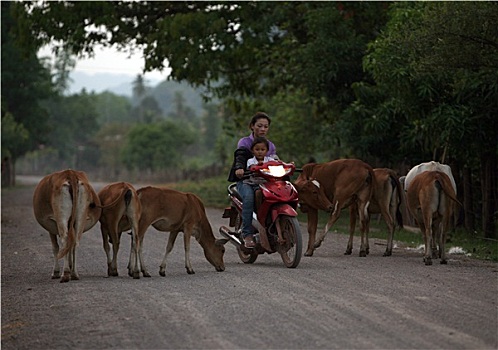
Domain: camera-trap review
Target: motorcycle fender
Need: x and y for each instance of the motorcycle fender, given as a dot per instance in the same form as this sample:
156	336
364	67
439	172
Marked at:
283	209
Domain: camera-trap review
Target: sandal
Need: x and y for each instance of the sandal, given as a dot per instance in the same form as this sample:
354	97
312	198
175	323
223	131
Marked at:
249	242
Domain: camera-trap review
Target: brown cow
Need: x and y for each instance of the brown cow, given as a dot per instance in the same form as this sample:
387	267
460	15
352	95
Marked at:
175	211
387	197
66	205
333	186
429	200
120	208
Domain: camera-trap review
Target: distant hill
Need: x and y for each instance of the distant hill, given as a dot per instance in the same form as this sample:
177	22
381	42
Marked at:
121	84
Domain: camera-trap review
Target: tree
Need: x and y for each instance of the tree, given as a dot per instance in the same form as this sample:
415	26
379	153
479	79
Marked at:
112	108
235	49
432	103
25	83
156	146
73	121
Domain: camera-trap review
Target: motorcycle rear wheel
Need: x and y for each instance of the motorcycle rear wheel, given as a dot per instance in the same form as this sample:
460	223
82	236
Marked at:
292	246
246	258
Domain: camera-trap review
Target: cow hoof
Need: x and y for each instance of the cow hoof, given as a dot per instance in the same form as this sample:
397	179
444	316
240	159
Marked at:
65	278
348	252
317	244
190	272
444	262
146	274
428	261
162	273
363	254
386	253
136	275
308	253
56	276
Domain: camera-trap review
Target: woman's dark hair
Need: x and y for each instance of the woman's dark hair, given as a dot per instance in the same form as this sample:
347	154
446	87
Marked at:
260	139
257	116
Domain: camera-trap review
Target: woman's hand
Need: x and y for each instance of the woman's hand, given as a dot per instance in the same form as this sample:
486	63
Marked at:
239	173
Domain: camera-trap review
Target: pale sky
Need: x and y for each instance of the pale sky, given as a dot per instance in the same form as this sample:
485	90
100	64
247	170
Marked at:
109	60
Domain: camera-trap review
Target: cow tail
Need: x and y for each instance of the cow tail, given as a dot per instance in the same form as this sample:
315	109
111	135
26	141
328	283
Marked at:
71	235
443	184
127	197
397	187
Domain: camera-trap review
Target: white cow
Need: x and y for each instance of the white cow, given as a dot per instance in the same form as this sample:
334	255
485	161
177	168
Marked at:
429	166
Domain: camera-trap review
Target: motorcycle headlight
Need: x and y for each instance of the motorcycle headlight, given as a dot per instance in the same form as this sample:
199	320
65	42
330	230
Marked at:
276	170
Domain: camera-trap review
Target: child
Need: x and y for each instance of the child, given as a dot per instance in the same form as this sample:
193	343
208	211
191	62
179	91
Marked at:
259	149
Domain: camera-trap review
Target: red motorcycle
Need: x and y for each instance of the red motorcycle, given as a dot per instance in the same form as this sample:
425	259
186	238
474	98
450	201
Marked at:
274	219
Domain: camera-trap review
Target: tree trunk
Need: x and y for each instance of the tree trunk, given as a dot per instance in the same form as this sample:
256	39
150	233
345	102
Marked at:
468	200
489	193
8	172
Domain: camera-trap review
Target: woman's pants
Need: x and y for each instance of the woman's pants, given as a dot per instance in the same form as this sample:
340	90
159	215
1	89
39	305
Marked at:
246	191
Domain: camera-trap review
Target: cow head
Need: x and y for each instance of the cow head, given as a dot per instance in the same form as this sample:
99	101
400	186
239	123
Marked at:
312	195
214	254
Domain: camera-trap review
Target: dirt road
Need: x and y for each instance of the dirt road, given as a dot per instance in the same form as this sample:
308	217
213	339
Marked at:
330	301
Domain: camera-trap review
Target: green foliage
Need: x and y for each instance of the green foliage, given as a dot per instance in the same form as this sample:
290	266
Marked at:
110	139
73	122
156	146
25	83
14	136
111	108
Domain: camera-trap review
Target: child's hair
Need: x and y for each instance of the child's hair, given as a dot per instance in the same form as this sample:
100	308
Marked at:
260	139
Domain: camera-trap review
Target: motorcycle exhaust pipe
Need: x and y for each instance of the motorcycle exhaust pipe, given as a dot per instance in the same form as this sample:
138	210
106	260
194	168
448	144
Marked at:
230	235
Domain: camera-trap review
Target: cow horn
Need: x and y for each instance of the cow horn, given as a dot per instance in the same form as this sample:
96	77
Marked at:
316	183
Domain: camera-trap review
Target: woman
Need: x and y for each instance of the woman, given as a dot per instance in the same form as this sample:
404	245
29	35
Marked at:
259	125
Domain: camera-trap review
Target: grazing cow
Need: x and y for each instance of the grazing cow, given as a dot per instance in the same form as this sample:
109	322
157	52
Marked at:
429	166
333	186
429	199
175	211
120	208
387	197
66	205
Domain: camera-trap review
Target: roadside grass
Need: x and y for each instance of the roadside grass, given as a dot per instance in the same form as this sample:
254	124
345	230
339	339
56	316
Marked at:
213	193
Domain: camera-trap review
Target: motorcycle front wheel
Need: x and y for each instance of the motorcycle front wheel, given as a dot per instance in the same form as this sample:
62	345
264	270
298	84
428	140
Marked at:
247	258
291	247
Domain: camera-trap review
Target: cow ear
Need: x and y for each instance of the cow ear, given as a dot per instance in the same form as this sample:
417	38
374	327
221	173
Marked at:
316	183
221	241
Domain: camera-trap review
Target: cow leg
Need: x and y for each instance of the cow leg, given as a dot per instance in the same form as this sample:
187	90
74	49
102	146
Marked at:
67	268
435	239
428	241
134	261
389	219
56	273
352	226
66	274
364	228
312	225
107	249
186	244
362	202
112	269
333	218
442	241
169	248
72	264
140	238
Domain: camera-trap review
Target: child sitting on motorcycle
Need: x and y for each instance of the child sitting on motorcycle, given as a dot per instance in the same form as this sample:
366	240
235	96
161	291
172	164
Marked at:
259	149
